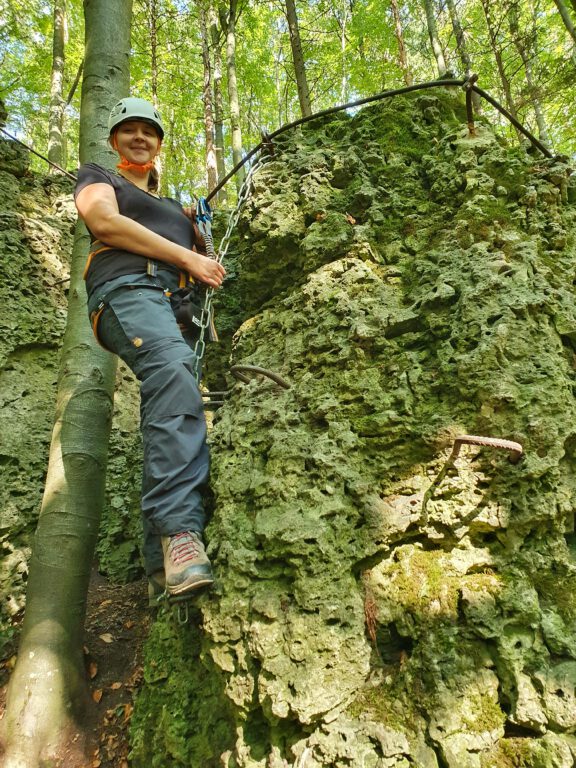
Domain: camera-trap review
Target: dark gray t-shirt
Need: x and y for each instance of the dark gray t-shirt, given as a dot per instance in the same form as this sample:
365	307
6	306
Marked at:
164	216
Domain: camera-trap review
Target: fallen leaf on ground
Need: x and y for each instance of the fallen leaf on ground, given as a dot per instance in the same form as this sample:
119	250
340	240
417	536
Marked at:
106	637
97	695
115	686
128	709
92	670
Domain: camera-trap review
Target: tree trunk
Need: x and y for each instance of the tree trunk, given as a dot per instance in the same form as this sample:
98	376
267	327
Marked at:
433	35
215	38
211	169
344	80
524	48
496	50
56	152
402	58
567	19
298	59
462	49
152	18
228	21
460	38
48	689
74	85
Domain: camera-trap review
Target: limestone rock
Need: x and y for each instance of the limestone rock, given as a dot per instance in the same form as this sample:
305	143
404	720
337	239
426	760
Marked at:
381	602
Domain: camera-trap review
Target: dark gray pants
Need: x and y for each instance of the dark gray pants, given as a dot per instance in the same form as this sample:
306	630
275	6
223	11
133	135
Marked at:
139	326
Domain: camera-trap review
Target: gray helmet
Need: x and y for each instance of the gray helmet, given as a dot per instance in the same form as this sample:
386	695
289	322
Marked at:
132	108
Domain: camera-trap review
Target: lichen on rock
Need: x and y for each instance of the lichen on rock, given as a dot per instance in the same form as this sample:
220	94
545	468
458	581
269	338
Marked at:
412	283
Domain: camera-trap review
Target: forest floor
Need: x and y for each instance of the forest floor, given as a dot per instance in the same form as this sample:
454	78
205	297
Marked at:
117	623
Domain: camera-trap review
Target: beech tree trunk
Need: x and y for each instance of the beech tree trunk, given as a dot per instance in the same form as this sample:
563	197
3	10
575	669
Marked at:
433	35
48	690
56	151
298	59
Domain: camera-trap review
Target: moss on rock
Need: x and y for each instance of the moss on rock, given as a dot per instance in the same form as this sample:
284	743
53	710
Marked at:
412	283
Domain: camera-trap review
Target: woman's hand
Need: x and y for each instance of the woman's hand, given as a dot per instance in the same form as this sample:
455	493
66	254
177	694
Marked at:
190	212
206	270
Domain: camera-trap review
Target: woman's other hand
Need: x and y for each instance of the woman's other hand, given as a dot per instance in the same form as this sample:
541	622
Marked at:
206	270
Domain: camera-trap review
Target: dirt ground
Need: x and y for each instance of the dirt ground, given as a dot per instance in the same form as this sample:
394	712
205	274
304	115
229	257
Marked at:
117	624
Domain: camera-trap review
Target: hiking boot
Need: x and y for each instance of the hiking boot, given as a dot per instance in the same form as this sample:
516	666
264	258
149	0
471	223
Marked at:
185	562
156	588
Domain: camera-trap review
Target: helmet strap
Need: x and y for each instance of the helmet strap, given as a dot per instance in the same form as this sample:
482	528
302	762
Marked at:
139	169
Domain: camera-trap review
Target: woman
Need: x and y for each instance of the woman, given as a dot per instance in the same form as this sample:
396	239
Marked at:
144	247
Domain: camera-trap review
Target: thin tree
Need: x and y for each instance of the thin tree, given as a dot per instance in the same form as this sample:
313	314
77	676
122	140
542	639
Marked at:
56	151
497	52
216	50
211	169
152	20
48	689
298	59
74	85
433	35
568	23
399	33
525	44
228	18
462	48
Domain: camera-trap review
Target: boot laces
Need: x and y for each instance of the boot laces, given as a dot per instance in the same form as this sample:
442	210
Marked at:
183	546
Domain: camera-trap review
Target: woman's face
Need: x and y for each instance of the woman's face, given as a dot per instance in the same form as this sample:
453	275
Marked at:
137	141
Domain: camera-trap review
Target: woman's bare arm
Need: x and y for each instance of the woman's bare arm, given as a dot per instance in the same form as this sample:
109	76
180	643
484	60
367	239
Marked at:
98	208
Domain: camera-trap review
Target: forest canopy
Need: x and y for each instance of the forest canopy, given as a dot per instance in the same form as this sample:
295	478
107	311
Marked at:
186	54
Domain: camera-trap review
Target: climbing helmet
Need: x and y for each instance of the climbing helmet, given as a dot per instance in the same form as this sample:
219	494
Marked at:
132	108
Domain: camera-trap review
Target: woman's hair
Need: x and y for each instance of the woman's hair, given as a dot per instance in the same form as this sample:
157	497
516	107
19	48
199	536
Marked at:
153	180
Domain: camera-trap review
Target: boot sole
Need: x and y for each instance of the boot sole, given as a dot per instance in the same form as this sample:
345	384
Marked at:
191	586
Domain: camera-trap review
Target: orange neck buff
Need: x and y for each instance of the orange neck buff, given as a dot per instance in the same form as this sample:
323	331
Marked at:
140	169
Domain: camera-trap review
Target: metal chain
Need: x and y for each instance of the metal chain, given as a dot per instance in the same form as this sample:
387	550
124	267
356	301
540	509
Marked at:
206	316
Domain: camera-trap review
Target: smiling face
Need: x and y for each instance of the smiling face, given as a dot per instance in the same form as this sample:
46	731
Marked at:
137	141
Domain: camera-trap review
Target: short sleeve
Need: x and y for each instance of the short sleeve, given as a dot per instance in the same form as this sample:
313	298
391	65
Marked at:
90	173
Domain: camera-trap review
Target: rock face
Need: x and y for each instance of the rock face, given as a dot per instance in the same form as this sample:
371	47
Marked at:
37	217
36	223
378	605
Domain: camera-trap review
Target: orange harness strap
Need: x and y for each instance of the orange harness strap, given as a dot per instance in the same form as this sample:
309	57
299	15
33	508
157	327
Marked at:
94	320
96	247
